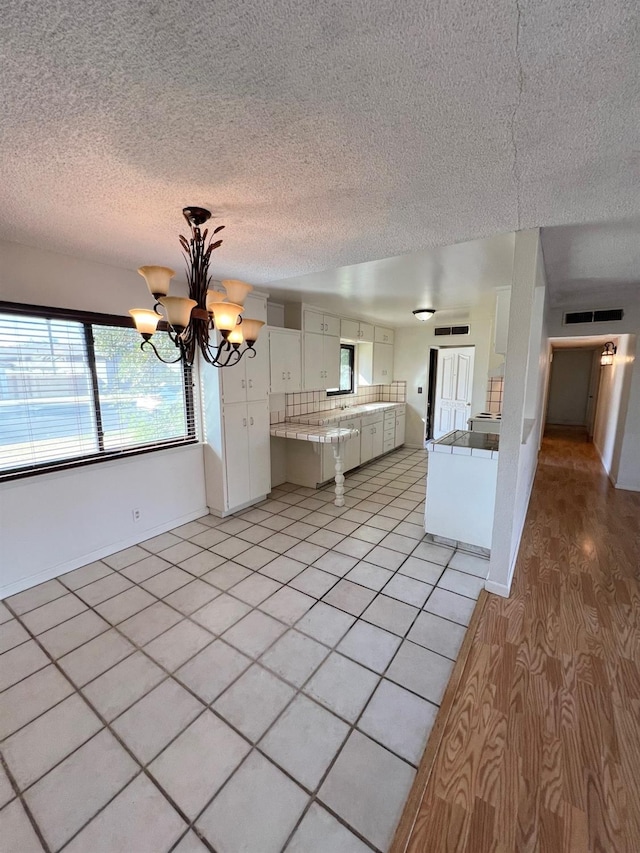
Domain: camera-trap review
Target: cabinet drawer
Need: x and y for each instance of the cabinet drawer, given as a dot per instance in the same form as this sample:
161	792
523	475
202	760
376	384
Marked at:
388	445
370	420
389	416
390	434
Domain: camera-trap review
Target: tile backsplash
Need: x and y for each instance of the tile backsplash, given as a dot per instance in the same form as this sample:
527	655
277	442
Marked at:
495	387
317	401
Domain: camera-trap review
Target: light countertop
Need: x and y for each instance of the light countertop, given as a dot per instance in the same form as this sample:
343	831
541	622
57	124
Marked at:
336	415
319	434
464	443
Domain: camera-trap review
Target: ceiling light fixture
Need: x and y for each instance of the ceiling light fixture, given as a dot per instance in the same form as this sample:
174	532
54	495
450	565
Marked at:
191	321
424	313
610	349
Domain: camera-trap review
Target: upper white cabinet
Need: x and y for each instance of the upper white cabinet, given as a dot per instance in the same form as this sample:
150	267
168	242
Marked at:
285	361
501	326
382	364
383	335
322	324
321	357
352	330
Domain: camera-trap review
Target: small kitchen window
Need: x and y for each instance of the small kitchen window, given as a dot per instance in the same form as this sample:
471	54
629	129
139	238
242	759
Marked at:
347	371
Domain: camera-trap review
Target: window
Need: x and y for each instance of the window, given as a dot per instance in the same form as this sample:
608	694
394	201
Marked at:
347	370
77	388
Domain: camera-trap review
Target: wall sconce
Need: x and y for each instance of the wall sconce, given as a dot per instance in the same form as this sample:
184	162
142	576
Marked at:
610	349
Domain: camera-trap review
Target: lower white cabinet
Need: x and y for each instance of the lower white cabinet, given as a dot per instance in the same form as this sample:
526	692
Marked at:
400	430
371	437
350	453
247	456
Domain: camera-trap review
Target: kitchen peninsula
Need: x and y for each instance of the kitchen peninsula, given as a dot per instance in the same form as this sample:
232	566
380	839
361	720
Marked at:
461	487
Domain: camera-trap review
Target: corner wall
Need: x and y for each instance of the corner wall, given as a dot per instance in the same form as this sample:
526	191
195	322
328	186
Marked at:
56	522
526	373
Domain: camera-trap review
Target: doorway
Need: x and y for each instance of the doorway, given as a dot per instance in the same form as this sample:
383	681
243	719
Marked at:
573	388
450	400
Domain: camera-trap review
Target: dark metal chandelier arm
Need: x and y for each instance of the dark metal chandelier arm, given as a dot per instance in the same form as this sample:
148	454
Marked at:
157	354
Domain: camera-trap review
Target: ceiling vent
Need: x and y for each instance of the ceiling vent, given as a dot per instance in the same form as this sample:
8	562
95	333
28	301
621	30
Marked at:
603	316
451	330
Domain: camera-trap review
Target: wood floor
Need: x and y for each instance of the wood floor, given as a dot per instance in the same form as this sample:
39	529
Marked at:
540	748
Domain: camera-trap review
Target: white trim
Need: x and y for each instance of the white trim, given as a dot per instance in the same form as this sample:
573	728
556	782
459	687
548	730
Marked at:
498	588
85	559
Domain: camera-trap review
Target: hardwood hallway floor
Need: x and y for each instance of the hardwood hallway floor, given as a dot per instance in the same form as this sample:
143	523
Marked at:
540	750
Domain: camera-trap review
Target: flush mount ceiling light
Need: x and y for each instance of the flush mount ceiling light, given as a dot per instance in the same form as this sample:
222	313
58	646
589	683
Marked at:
192	321
424	313
610	349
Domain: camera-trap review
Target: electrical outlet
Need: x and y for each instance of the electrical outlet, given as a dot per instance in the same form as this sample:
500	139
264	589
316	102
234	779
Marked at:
135	513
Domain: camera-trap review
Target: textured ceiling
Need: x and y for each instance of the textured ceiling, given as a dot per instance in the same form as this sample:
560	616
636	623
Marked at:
322	134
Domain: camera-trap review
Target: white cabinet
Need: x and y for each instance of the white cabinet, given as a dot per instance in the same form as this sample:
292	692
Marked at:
321	356
246	458
400	429
237	456
371	437
323	324
352	330
382	364
350	452
285	361
383	335
501	326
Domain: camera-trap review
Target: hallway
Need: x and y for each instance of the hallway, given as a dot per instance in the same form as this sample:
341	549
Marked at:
541	745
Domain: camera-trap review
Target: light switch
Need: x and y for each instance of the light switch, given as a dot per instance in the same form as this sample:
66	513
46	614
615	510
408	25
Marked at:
419	389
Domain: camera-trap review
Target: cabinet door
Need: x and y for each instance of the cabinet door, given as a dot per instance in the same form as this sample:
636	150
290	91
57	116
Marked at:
400	429
383	336
352	447
293	366
350	330
259	449
313	322
236	452
366	443
278	352
313	357
366	333
331	326
257	371
377	438
234	383
331	359
382	364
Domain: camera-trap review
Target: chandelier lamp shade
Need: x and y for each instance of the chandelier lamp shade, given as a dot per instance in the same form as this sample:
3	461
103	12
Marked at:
192	322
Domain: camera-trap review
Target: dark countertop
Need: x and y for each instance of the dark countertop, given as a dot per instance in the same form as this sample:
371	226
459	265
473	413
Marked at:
474	440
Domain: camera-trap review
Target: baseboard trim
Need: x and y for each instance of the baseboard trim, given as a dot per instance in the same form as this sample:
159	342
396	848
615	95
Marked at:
502	589
70	566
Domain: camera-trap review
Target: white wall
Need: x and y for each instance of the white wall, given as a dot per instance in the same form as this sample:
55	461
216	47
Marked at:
411	361
526	370
569	386
52	523
624	456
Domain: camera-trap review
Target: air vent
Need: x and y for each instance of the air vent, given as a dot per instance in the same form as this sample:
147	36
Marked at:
451	330
603	316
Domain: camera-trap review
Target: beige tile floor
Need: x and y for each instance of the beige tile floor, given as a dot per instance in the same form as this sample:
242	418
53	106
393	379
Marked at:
262	683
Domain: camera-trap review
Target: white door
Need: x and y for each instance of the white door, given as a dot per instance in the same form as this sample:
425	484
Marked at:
382	364
400	428
314	322
278	362
377	442
313	362
454	385
236	446
259	449
293	365
366	443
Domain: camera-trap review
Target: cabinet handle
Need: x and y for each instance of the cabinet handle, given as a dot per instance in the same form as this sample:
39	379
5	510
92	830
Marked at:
251	421
244	384
284	375
244	422
288	374
251	383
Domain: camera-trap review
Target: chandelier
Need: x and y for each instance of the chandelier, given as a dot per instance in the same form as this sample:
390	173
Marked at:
191	322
